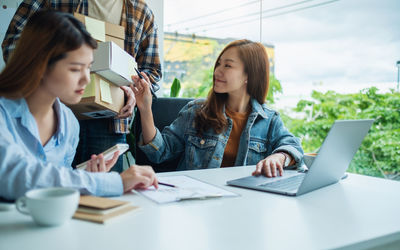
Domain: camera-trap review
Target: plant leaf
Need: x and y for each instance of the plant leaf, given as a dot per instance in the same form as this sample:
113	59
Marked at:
175	88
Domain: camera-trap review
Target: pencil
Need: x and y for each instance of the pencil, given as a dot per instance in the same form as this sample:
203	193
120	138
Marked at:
166	184
150	87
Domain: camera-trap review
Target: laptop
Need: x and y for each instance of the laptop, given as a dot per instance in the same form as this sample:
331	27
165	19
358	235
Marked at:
329	166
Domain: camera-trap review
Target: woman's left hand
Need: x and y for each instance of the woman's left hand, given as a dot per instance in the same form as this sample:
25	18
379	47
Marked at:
98	164
270	166
127	110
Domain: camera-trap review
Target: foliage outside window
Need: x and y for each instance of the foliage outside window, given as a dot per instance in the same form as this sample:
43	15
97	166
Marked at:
379	154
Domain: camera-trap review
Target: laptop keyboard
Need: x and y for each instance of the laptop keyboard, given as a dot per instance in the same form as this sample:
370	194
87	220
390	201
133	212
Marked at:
291	183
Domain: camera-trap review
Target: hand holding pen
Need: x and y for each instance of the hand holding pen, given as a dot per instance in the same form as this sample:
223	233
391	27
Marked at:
151	85
167	184
141	88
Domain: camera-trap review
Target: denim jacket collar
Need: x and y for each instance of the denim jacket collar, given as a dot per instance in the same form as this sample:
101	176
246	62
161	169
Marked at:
258	108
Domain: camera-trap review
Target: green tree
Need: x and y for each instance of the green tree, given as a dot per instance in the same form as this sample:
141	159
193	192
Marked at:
200	89
379	154
274	88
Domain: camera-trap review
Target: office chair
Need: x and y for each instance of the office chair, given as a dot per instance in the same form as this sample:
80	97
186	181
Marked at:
165	111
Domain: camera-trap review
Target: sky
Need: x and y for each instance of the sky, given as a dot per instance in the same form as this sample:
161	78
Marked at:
341	45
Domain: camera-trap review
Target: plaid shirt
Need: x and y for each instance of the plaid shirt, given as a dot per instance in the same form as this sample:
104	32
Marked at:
140	34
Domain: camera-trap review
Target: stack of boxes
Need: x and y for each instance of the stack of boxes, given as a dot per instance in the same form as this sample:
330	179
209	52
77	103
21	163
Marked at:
112	67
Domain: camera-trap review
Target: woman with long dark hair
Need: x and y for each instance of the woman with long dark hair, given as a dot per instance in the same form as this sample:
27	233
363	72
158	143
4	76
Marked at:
232	127
39	134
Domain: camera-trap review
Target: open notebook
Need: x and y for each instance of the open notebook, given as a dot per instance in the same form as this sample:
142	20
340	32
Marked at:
186	188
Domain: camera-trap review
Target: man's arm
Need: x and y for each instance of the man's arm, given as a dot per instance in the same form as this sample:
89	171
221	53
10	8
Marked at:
148	58
24	11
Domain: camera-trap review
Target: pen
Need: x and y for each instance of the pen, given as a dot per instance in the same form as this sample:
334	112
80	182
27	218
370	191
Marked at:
166	184
150	87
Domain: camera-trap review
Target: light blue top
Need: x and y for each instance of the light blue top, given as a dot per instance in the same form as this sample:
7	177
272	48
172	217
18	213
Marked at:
263	135
25	164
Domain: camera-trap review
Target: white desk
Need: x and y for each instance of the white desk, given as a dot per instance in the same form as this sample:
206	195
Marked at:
358	213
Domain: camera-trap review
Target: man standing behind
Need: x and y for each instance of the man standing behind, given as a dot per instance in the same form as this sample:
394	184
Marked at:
140	41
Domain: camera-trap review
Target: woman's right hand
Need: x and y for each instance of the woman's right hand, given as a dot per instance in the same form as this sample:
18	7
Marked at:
141	89
138	177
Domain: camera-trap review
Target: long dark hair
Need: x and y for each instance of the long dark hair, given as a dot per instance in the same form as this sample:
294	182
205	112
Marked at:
256	66
46	39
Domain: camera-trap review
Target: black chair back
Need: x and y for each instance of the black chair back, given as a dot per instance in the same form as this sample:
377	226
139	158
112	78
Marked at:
165	111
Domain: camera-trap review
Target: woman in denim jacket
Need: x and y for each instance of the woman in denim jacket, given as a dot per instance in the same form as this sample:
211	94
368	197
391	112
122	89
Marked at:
232	127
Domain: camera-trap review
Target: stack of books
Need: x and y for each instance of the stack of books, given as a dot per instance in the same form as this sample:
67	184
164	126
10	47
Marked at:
99	210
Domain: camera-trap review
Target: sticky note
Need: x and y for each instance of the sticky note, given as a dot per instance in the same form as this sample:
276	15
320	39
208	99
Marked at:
90	89
96	28
131	68
105	92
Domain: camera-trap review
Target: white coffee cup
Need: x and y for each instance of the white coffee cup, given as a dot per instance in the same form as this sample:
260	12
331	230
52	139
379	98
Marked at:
49	206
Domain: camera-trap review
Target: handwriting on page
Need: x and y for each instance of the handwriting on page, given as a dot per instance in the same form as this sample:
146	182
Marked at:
186	188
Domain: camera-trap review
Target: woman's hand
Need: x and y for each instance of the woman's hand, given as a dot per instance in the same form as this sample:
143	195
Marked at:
141	89
142	92
270	166
138	177
127	110
98	164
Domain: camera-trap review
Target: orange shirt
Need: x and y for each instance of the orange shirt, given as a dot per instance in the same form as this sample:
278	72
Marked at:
239	122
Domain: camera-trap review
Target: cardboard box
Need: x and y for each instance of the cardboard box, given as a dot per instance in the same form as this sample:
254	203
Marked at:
101	99
114	64
103	31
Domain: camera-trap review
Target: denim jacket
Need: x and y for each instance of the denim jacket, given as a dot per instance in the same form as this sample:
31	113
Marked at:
263	135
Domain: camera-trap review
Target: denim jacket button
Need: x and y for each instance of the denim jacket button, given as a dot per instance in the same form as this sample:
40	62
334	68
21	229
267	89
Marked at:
202	141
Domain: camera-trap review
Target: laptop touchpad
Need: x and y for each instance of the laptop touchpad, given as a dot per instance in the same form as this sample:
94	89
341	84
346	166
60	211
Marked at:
258	180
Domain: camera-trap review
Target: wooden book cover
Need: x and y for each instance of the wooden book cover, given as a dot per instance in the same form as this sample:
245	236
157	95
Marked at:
99	202
102	218
99	209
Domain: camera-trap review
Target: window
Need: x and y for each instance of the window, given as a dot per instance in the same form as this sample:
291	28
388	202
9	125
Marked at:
327	56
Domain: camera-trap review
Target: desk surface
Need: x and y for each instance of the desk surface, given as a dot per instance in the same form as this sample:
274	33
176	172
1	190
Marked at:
358	212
